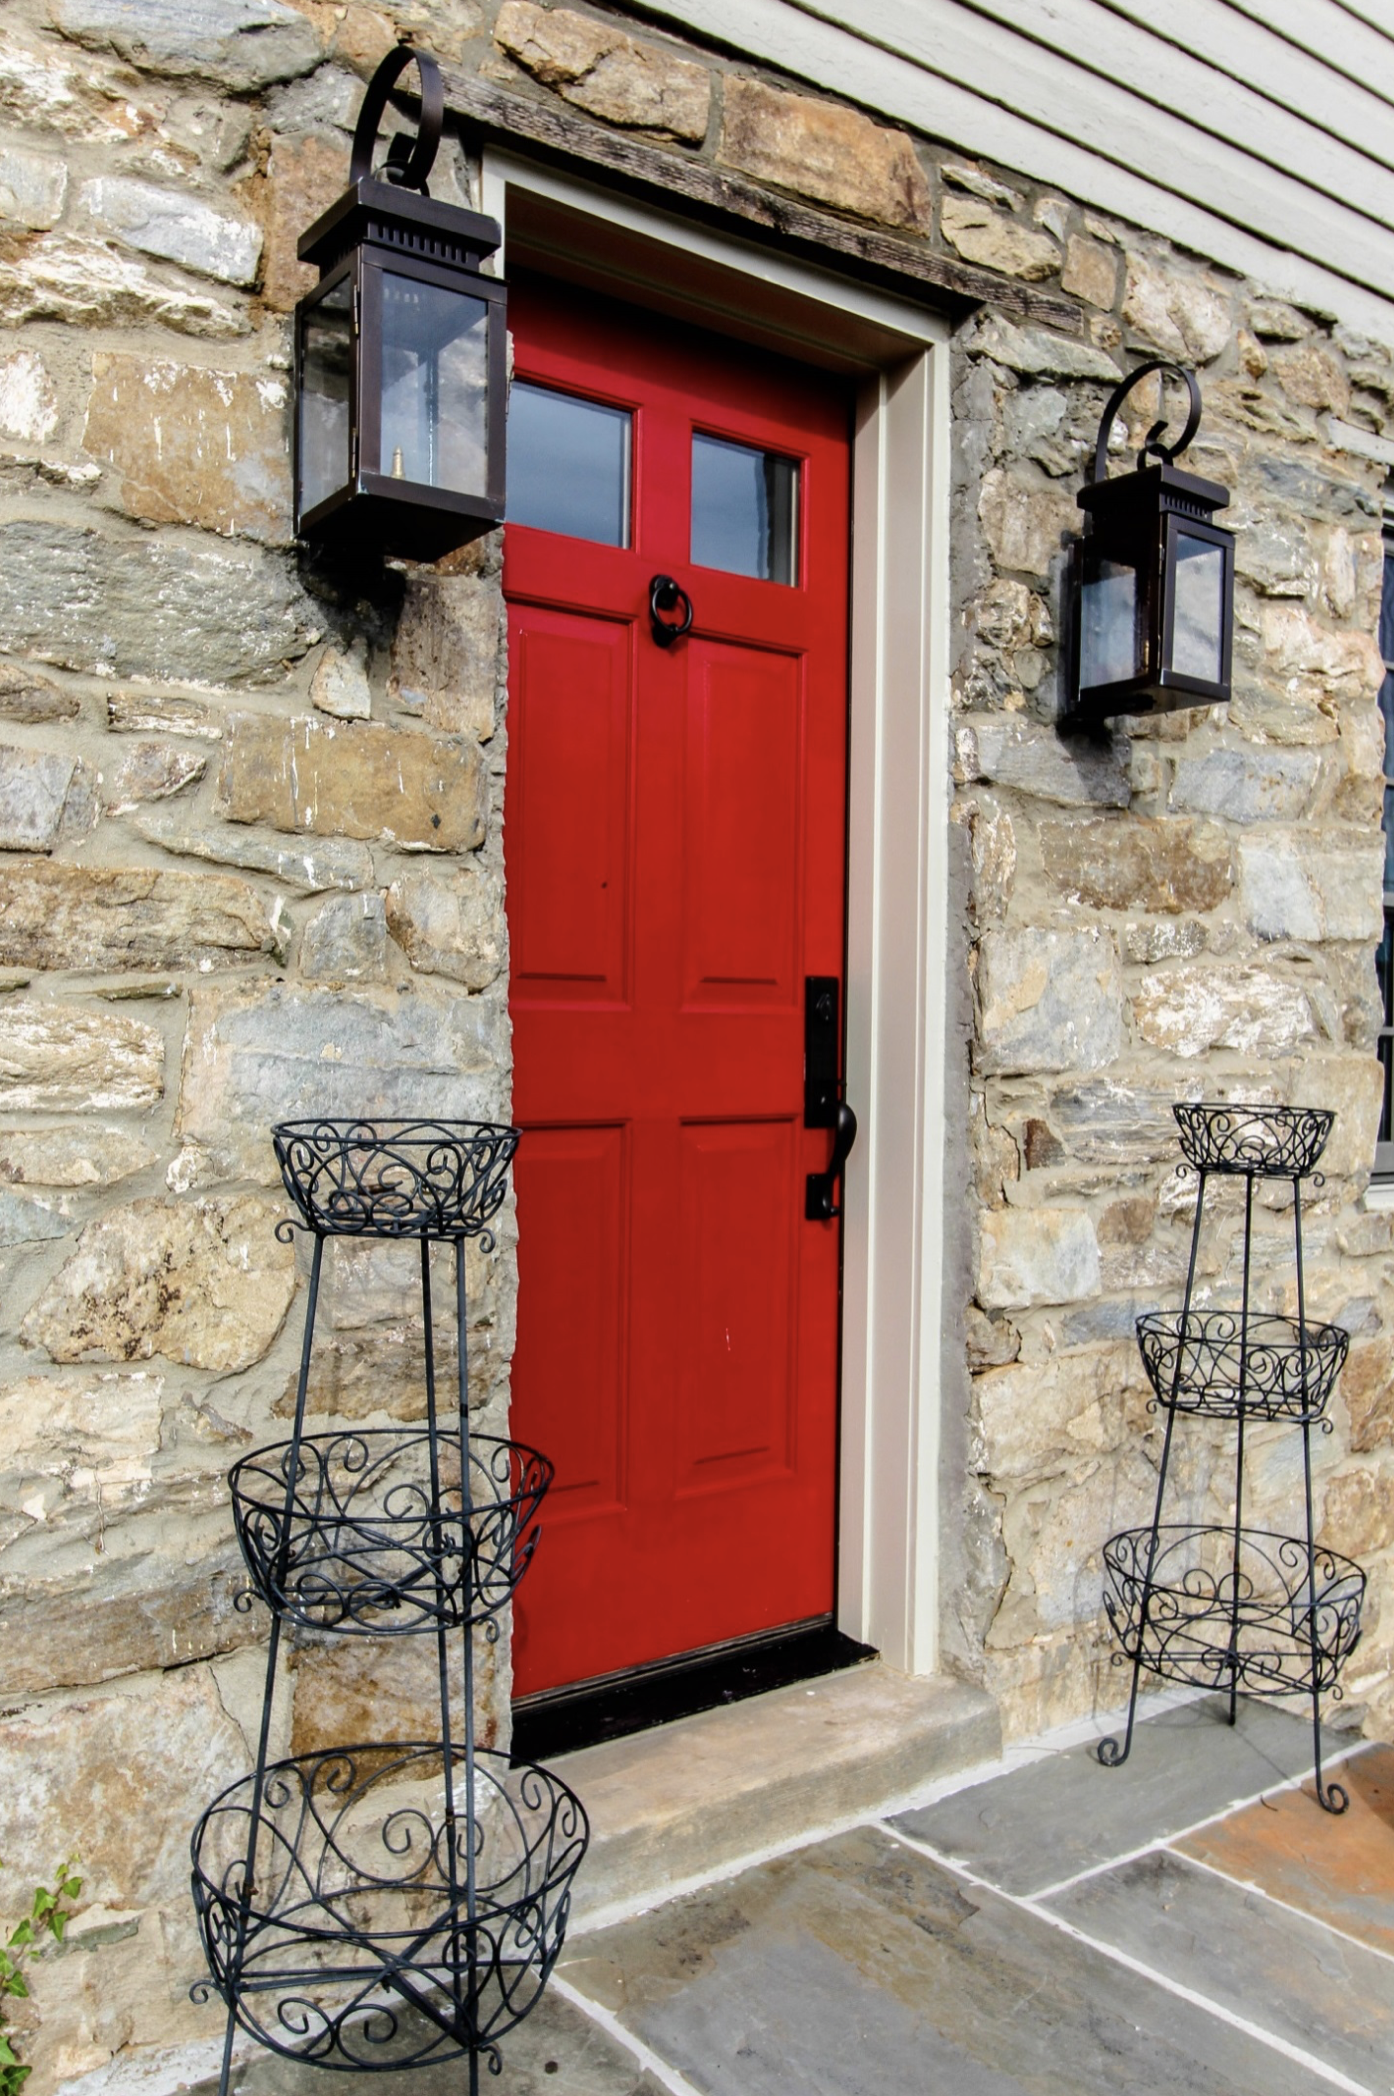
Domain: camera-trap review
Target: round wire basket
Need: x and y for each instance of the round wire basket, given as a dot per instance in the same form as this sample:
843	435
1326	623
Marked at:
353	1937
1220	1364
1269	1142
363	1539
395	1178
1275	1625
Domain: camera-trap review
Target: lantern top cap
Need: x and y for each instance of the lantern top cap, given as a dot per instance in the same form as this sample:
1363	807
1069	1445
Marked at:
394	207
1156	466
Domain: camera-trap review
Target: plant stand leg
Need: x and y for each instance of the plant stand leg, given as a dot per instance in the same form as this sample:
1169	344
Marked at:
1234	1589
1112	1753
292	1461
1332	1796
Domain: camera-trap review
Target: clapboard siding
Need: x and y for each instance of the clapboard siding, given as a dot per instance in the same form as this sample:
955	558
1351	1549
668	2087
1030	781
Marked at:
1258	132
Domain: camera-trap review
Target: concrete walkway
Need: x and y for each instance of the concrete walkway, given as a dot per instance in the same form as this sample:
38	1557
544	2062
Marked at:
1190	1922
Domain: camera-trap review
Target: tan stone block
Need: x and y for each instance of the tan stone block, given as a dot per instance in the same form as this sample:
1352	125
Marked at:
340	685
451	926
152	771
71	1156
140	712
1359	1514
991	1341
820	150
346	941
1176	314
87	283
1139	863
392	786
1038	1418
27	696
1091	272
1313	377
79	1776
192	446
1367	1386
1302	650
1025	521
993	856
1291	890
59	916
1193	1008
303	178
51	1056
356	1689
1036	1255
204	1282
447	652
994	241
28	403
1351	1086
133	1616
599	69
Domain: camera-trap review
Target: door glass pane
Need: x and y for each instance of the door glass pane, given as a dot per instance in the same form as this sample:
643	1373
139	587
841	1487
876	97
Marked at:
744	510
1199	628
1108	636
568	464
326	353
433	385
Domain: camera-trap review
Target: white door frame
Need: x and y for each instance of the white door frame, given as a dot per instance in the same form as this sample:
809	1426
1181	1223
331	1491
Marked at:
898	808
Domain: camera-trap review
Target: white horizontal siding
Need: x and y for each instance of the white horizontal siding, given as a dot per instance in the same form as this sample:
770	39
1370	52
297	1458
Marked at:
1258	132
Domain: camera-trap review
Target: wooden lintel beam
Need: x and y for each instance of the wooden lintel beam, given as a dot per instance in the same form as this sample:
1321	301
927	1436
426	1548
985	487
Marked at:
902	264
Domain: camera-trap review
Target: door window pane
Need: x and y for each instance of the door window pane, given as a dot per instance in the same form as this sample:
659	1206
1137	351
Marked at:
744	510
433	381
1199	629
568	464
325	359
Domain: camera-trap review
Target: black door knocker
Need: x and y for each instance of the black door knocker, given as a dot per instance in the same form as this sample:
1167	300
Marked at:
667	595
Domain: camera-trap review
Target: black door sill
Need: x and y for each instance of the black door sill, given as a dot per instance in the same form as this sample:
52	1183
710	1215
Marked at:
560	1722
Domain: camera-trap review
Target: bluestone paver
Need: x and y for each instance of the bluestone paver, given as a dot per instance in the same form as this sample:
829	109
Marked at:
1042	1824
1281	1972
1340	1871
859	1968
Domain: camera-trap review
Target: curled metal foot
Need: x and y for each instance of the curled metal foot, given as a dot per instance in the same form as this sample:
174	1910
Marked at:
1332	1797
1111	1754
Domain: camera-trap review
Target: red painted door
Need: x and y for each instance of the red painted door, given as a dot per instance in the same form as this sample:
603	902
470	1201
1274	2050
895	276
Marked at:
675	847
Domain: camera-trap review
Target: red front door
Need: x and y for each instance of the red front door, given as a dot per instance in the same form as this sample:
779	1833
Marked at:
674	837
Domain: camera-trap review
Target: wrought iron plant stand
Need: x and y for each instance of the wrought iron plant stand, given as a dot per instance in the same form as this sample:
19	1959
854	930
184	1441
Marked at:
397	1904
1235	1607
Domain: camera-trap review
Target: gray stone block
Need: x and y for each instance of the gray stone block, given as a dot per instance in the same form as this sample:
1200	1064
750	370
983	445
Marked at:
242	44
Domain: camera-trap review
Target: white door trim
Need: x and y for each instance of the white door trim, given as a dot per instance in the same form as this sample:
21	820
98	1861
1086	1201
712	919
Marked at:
898	806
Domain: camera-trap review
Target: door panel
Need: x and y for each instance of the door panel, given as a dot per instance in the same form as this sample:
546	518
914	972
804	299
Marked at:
569	899
741	798
674	838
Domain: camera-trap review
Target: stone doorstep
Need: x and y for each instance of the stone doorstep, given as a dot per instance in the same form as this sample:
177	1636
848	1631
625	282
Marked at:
705	1794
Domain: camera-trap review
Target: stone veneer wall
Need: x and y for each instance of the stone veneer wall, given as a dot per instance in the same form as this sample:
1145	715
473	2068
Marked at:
250	864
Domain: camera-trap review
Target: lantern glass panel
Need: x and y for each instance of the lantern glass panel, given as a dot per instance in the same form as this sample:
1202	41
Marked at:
568	464
1198	622
1110	649
326	364
434	373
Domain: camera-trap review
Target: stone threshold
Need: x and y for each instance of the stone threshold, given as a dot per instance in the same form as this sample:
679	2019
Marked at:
698	1798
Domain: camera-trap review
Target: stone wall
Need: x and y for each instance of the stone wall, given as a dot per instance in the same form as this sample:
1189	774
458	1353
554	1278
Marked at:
250	865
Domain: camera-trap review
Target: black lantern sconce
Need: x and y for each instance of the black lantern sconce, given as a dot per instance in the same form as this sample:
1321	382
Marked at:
1152	580
400	351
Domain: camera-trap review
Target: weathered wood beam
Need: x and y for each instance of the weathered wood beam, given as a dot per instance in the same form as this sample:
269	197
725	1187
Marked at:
907	266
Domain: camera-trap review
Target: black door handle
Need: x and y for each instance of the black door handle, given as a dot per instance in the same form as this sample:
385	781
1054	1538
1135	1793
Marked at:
667	595
823	1107
819	1206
